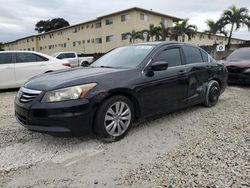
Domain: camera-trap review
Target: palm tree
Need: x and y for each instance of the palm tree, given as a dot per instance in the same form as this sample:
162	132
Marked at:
151	32
163	31
236	17
133	35
181	29
216	27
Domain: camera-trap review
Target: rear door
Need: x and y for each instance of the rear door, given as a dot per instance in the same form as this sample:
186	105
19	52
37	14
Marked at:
28	65
7	71
198	72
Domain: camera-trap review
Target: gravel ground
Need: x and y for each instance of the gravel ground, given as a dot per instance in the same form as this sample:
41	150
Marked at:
196	147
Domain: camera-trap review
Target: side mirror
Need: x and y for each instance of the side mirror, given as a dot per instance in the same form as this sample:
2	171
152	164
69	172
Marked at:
159	66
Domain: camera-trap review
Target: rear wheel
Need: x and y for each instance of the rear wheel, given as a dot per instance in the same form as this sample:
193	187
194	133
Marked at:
213	93
114	118
85	64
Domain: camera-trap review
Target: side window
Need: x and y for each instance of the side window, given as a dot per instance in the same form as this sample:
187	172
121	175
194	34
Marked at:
192	54
25	57
61	56
204	56
5	58
40	58
70	55
172	56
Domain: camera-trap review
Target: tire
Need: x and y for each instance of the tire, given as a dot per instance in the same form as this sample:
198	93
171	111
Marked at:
111	124
85	64
213	94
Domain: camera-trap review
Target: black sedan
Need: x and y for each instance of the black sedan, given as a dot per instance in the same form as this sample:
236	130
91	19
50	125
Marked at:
126	84
238	66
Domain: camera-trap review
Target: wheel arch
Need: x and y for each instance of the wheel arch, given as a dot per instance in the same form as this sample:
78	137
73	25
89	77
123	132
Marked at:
124	92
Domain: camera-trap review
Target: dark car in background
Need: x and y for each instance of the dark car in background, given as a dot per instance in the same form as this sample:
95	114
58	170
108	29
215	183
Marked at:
126	84
238	66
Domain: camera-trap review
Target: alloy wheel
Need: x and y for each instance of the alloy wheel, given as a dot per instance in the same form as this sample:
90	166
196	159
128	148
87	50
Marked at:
117	119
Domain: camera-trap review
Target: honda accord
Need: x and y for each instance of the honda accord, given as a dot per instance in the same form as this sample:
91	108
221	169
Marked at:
127	84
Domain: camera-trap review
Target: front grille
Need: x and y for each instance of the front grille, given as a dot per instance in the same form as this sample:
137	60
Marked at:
21	118
234	69
27	95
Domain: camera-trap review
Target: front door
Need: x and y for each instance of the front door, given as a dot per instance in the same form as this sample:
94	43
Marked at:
165	90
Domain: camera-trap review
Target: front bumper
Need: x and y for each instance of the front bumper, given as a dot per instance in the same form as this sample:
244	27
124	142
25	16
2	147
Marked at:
238	78
63	117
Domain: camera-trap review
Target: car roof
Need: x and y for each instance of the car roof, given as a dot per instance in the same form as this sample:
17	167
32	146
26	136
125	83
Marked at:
163	43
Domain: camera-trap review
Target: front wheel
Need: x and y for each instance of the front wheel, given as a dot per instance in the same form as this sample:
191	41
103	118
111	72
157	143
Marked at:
114	118
213	93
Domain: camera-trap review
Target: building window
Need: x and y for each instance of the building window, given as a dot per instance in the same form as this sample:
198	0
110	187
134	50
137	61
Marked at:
74	30
125	36
109	21
88	41
124	18
41	48
93	40
82	27
98	40
33	49
92	25
87	26
65	45
83	41
109	38
164	21
143	17
98	25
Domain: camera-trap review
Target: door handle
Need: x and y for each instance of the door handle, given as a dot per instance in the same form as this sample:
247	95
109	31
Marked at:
182	71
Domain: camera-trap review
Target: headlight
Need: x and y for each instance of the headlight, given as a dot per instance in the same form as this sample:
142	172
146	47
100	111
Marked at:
69	93
247	71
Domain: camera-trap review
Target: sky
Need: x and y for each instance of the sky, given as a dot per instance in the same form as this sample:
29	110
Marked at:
18	17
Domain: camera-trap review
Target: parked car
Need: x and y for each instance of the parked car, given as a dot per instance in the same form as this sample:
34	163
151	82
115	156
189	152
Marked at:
126	84
73	58
238	66
17	67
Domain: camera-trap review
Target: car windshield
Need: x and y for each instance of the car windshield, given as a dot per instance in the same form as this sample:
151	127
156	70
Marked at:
55	54
240	54
124	57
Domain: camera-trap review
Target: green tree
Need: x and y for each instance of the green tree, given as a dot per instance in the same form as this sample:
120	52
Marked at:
1	46
215	27
50	25
133	35
163	31
183	28
236	18
151	32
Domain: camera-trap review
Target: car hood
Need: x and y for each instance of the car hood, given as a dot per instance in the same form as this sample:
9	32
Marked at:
239	63
68	77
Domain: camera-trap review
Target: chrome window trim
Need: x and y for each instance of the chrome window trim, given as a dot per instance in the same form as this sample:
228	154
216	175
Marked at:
30	91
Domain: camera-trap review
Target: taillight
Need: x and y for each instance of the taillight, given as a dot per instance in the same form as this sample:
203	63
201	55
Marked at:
67	65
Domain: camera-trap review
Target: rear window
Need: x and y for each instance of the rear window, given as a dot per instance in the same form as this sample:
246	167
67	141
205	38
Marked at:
192	54
5	58
240	54
29	57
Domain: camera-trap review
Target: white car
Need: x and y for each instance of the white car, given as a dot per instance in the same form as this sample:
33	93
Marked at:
73	58
16	67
